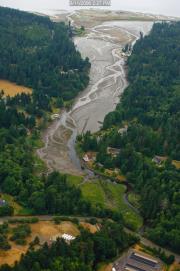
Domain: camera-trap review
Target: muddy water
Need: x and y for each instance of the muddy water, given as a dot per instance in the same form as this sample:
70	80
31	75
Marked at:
103	45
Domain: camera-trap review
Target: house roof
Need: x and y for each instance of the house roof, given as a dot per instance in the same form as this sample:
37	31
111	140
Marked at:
2	202
138	261
113	151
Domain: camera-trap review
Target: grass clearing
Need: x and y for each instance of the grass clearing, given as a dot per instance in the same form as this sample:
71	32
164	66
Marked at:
45	230
131	218
175	267
109	195
105	267
74	180
12	89
12	255
134	199
18	209
94	193
176	164
91	228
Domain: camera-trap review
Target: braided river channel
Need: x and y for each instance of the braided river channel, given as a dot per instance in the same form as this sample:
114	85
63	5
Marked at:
103	46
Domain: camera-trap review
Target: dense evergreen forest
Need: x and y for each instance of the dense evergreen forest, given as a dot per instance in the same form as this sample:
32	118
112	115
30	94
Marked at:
82	254
37	53
18	171
39	49
150	107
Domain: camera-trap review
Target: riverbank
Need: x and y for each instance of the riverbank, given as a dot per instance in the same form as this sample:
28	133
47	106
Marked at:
55	152
103	46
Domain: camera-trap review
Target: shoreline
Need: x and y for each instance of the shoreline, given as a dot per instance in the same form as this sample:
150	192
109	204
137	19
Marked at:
107	83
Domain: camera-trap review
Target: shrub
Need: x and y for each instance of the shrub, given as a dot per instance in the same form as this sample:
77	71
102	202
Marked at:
4	243
57	219
20	233
6	210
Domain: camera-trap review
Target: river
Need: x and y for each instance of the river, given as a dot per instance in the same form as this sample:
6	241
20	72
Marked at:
103	45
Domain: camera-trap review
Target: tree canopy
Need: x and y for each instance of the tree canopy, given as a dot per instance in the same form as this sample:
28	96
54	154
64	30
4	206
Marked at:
150	108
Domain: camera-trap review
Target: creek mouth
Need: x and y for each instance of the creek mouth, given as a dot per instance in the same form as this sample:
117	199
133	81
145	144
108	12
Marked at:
103	45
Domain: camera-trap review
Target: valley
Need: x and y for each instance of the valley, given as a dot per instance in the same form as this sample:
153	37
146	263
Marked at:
103	46
101	123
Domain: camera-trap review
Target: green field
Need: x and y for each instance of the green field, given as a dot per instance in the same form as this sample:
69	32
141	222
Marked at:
74	180
109	195
94	192
134	199
18	209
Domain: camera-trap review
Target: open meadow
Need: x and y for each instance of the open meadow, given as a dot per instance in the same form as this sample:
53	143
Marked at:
12	89
108	195
46	231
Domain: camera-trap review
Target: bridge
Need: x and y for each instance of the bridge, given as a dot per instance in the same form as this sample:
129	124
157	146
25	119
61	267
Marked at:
90	2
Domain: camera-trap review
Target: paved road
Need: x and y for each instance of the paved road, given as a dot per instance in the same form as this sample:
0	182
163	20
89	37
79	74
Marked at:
143	240
44	217
150	244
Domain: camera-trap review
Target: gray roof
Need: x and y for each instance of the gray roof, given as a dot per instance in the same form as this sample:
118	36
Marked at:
2	202
137	261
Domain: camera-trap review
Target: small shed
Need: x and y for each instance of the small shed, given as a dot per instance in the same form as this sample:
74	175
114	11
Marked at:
2	202
113	151
55	116
159	159
123	130
68	237
86	158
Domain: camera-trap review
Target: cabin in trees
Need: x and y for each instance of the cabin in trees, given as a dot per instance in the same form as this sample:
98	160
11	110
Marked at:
113	152
66	237
55	116
123	130
2	203
159	159
89	157
137	261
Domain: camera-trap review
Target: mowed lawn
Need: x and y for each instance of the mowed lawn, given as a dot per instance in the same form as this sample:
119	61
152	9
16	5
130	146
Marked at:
74	180
105	267
176	164
109	195
18	209
94	192
12	89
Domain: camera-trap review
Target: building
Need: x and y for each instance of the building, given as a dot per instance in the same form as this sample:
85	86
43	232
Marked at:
2	202
55	116
113	152
86	158
89	157
67	237
137	261
123	130
159	159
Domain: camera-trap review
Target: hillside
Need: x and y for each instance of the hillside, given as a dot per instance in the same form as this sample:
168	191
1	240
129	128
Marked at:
144	130
40	54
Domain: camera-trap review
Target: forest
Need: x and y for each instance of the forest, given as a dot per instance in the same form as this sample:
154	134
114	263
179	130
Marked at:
40	54
150	109
84	253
